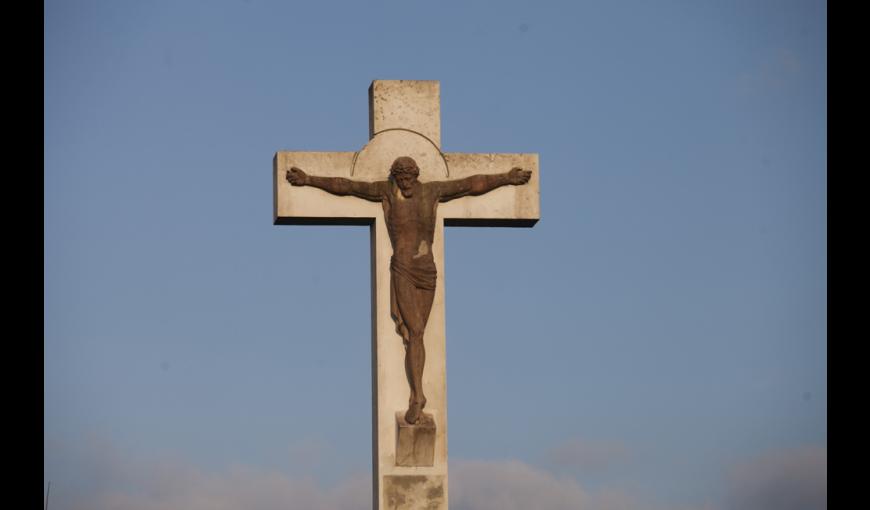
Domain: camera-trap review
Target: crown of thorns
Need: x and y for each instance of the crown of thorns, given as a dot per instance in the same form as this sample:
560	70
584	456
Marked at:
404	165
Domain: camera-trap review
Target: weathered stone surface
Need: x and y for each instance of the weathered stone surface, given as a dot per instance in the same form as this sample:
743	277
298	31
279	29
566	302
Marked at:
301	206
414	492
415	444
413	105
510	206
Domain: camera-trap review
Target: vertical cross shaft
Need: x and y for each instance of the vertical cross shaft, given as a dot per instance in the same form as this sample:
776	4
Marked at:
404	120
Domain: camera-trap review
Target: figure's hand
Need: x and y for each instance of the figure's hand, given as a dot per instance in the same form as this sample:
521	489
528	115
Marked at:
297	177
519	176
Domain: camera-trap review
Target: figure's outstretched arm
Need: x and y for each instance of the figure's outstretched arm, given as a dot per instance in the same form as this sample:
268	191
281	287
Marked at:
481	183
338	185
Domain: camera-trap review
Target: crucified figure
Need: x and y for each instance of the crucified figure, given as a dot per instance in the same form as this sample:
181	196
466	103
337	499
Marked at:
409	212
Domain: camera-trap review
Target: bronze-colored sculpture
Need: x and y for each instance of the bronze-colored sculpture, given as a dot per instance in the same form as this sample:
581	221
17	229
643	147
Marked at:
410	214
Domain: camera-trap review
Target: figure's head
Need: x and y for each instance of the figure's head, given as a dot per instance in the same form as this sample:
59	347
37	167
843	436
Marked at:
404	172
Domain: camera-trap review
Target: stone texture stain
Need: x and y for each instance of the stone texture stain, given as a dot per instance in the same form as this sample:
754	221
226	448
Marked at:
435	493
414	492
406	482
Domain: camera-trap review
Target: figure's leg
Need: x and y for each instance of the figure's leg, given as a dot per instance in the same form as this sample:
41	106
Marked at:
415	305
415	359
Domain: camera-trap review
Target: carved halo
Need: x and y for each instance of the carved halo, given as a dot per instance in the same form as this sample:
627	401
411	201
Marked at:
373	162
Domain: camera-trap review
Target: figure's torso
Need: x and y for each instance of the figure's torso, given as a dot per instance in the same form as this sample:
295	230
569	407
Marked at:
411	221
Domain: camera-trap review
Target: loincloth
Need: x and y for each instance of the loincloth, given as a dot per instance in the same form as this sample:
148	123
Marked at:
421	273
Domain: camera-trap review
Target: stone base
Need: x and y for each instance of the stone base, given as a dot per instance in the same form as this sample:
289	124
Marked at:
414	492
415	444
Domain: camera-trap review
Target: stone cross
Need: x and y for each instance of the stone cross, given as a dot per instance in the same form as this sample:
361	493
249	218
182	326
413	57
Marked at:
409	459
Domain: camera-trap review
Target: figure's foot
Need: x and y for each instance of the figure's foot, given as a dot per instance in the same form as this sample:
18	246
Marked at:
414	412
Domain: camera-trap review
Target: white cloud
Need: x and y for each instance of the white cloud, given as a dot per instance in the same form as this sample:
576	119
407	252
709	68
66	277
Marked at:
118	482
795	479
776	69
588	456
173	487
474	485
513	485
97	476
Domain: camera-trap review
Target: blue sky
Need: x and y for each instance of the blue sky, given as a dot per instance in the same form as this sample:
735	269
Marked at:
658	340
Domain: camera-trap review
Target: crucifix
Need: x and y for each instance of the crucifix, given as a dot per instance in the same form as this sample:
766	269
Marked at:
406	189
